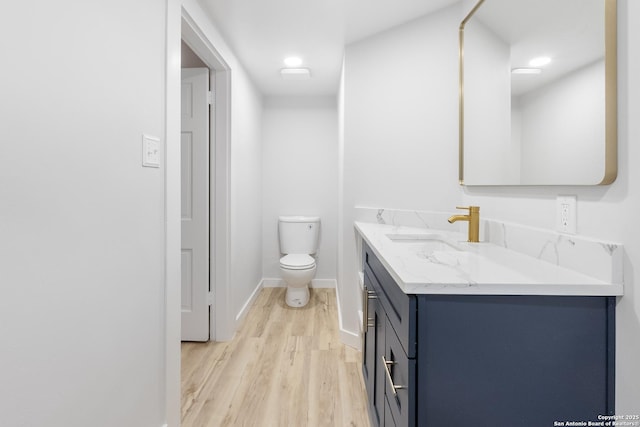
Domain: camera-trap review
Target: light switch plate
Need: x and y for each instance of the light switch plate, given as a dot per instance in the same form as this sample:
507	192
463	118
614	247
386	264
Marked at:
566	214
150	151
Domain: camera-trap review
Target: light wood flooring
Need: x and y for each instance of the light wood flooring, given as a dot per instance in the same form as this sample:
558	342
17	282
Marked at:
285	367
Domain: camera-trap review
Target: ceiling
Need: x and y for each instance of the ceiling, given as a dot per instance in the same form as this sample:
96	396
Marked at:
263	32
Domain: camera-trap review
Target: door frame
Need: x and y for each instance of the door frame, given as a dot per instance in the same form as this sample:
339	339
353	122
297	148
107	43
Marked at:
221	320
180	25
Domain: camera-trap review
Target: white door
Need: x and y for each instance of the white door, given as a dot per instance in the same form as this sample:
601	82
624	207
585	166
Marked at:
195	204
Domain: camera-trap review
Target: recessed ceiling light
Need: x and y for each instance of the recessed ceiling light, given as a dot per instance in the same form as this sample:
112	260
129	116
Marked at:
295	73
540	61
526	71
293	61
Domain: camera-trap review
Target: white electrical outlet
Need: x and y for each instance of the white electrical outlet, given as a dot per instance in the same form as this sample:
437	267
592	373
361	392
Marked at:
566	214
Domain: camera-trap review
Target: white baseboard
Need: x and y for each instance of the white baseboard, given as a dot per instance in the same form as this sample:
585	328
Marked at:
351	339
347	337
272	283
323	283
315	283
247	305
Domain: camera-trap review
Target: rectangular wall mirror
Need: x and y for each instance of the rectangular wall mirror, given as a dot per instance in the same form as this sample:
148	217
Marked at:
538	102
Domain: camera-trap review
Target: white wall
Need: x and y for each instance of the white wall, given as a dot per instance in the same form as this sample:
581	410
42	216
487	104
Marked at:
561	119
400	146
350	337
487	106
82	226
245	172
300	175
246	190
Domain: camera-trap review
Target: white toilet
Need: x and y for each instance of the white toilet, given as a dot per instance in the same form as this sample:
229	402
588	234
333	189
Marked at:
298	241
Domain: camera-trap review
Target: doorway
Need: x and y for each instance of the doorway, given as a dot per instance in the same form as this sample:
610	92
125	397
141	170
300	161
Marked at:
195	143
221	324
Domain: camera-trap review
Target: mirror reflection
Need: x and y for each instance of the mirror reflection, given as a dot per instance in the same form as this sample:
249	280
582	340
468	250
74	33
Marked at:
538	93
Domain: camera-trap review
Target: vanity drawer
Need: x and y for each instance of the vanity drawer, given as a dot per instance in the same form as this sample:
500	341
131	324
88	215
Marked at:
400	377
400	307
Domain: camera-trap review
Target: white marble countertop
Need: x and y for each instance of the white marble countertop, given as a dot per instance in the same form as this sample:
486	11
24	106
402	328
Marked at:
447	264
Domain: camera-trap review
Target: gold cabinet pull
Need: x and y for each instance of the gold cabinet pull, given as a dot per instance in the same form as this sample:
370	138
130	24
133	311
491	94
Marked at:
394	387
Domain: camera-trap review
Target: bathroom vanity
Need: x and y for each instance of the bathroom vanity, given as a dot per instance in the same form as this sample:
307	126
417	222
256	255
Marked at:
454	337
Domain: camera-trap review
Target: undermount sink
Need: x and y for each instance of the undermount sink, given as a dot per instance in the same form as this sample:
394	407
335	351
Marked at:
414	236
424	243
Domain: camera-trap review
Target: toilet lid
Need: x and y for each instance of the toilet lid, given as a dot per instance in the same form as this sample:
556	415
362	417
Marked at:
297	261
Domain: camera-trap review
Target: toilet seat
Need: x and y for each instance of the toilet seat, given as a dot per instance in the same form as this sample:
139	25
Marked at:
297	262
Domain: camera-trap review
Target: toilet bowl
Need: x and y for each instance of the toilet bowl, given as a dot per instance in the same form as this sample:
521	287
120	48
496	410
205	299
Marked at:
298	237
297	270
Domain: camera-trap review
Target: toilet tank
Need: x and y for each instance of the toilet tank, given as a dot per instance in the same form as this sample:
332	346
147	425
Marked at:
298	234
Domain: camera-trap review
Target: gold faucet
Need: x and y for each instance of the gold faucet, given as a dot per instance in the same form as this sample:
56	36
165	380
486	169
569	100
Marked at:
474	221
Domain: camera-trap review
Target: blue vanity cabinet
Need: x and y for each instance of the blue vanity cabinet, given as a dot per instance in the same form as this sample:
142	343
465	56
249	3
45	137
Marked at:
487	360
373	349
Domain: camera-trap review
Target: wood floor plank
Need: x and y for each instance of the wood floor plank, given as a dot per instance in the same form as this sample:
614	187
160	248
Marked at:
198	366
285	367
352	391
324	389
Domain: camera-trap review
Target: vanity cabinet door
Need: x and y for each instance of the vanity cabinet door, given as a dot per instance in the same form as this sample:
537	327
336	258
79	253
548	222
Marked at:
388	417
373	350
369	337
379	382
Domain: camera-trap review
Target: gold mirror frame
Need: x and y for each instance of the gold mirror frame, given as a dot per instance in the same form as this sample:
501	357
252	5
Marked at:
611	94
